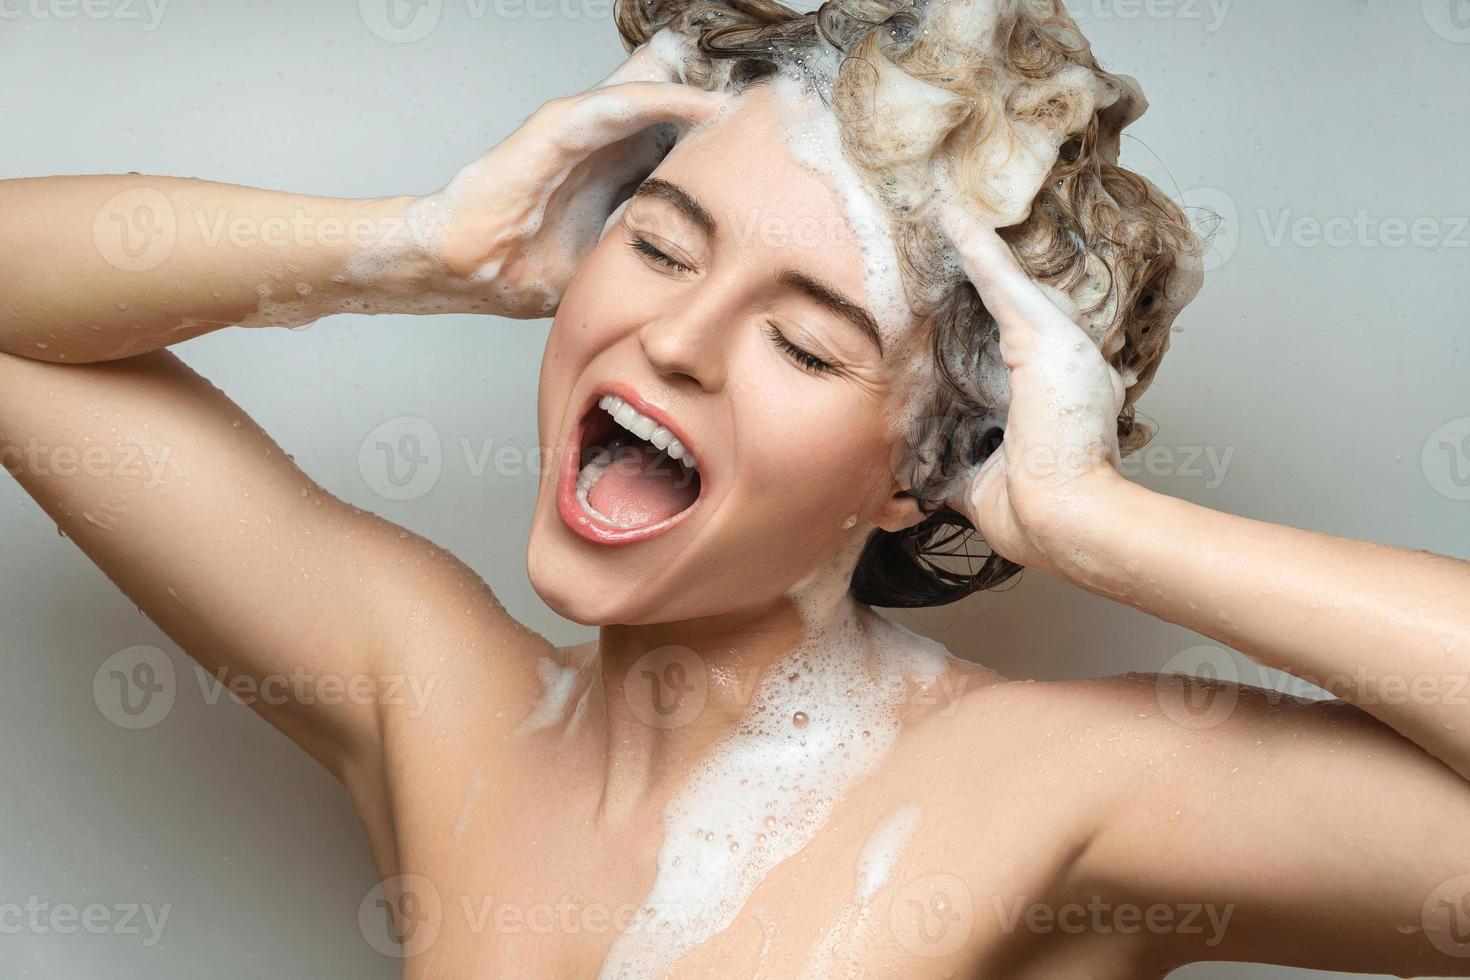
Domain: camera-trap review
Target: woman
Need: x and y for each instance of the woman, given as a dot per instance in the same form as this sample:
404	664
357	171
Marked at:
753	433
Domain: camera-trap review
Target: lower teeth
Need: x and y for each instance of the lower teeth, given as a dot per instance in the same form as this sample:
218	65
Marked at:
588	478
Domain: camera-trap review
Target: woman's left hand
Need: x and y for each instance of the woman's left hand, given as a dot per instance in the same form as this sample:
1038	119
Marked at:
1032	500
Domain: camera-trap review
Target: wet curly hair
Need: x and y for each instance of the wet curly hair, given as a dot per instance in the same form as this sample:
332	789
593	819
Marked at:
1013	74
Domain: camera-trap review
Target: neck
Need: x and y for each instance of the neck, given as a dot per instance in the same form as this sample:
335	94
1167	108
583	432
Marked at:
671	691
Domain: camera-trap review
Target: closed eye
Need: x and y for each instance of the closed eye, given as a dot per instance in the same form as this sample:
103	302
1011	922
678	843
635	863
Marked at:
805	358
646	248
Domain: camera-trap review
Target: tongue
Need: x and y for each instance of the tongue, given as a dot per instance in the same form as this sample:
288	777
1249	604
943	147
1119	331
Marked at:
642	486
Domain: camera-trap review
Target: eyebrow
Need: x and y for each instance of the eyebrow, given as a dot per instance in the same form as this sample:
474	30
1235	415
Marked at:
679	198
814	288
827	296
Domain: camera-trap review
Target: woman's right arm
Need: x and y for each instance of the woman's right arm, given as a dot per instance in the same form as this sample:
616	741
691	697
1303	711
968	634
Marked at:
191	508
103	267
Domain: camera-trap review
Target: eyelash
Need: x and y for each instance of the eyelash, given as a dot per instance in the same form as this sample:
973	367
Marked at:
804	358
644	247
807	360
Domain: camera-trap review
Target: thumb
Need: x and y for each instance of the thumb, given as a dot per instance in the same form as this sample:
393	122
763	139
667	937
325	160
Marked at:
979	485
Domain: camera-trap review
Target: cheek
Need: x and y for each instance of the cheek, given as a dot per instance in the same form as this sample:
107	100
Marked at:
586	323
829	462
585	319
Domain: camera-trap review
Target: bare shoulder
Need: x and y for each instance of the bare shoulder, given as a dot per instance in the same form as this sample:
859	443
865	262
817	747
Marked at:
1147	725
1084	754
440	623
456	673
1123	713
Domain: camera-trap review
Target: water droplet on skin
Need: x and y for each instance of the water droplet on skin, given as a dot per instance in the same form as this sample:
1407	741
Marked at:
800	719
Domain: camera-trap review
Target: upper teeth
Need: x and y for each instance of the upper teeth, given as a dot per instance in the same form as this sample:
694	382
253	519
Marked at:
646	428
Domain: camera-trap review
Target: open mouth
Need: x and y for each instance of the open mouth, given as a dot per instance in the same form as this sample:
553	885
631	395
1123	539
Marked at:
633	476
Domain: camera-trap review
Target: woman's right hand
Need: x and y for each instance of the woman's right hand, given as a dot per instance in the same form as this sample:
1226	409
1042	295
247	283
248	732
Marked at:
513	226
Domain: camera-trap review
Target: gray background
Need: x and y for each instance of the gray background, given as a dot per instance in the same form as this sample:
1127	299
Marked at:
1323	370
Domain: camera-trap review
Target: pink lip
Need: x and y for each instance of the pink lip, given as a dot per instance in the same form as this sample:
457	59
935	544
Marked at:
583	524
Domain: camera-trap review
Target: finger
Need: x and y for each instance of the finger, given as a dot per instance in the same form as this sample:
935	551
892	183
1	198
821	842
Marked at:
659	59
604	116
979	484
1021	308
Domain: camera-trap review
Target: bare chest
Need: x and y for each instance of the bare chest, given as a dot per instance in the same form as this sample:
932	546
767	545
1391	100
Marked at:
525	880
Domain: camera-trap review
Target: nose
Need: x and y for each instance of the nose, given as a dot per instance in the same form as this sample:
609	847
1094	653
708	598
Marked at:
688	341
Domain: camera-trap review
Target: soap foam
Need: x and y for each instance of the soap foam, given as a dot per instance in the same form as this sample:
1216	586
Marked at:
557	683
974	103
881	852
841	953
823	718
812	138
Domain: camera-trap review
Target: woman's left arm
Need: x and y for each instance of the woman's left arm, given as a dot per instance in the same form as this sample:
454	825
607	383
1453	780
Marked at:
1335	835
1393	623
1385	628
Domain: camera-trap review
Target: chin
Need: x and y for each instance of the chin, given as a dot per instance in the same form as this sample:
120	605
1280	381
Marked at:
571	591
568	595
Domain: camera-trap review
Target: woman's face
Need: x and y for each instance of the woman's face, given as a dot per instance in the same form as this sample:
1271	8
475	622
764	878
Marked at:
727	305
